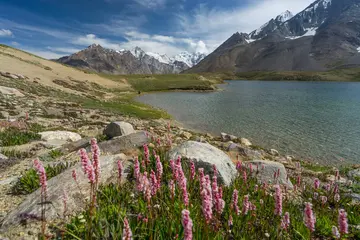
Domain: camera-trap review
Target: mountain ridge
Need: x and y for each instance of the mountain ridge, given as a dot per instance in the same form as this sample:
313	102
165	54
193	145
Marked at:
325	35
134	61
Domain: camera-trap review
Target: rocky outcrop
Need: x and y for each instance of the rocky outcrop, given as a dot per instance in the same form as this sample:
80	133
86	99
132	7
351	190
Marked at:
116	129
267	170
56	186
205	156
123	143
10	91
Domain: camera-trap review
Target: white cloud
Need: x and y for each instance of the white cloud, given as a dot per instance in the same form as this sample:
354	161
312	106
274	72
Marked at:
64	50
152	4
93	39
149	43
5	33
214	26
44	54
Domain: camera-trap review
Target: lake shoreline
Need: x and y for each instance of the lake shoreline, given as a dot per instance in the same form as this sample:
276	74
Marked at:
188	121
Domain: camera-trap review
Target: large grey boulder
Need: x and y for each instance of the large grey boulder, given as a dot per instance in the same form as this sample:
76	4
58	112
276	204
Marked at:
116	129
267	170
205	156
56	185
120	144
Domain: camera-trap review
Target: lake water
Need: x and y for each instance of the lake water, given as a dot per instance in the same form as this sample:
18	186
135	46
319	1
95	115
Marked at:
317	121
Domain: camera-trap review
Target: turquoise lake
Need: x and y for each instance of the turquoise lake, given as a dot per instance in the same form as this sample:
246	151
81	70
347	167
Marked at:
317	121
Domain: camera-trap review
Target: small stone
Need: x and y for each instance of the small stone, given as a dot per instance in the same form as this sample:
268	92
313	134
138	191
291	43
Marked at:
186	135
332	178
227	137
245	142
274	152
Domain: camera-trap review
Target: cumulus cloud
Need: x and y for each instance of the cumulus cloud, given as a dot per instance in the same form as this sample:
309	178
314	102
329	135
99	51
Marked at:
214	25
44	54
149	43
5	33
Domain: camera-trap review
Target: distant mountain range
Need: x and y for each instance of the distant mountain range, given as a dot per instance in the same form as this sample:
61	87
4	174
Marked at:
325	35
135	61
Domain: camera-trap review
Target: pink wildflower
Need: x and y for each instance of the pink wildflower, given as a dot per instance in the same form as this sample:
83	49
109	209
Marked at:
187	224
172	188
244	177
158	141
217	196
246	205
153	183
239	165
136	168
192	170
84	159
120	169
146	154
337	197
316	183
328	187
251	168
278	200
182	181
42	176
95	157
159	168
127	234
215	170
343	222
206	197
335	232
309	217
252	206
234	201
285	222
336	188
74	175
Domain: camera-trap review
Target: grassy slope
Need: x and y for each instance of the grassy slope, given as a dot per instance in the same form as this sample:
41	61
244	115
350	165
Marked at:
349	74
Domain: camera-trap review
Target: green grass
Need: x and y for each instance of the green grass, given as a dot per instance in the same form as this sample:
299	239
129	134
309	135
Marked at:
29	181
13	136
163	213
345	74
165	82
316	167
13	153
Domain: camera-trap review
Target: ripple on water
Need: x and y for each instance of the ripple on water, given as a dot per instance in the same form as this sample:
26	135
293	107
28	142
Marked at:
313	120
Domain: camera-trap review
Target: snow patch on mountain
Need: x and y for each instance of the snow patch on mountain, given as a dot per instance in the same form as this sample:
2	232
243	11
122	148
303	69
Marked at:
310	31
188	58
283	17
324	3
161	58
358	49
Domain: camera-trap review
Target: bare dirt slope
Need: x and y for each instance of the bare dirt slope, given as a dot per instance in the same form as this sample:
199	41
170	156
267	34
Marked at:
50	73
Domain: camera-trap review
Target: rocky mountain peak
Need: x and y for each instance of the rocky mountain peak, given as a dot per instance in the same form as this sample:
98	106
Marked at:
283	17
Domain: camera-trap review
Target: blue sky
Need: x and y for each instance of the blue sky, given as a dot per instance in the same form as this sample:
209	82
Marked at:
54	28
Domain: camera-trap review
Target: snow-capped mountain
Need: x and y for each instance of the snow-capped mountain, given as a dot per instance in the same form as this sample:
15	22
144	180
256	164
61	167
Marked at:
190	59
271	25
325	35
136	60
